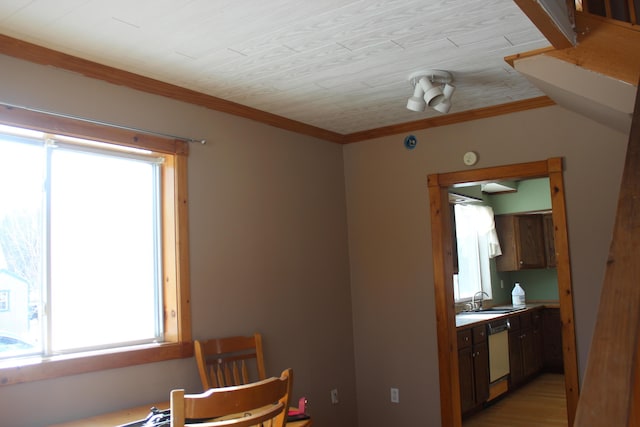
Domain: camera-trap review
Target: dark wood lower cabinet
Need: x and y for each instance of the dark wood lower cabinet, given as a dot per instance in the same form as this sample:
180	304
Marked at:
481	371
465	369
535	344
534	365
473	365
525	346
516	366
552	340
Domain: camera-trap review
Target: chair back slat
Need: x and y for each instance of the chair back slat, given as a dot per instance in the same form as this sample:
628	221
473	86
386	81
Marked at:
230	361
236	374
225	368
245	372
218	378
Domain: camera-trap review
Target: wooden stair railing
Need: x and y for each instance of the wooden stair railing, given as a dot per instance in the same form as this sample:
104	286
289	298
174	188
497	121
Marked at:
611	388
620	10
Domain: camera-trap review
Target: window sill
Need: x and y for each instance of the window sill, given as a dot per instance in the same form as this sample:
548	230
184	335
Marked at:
23	370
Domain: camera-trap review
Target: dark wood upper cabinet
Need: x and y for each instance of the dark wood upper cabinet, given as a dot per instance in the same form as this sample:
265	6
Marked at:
522	242
549	245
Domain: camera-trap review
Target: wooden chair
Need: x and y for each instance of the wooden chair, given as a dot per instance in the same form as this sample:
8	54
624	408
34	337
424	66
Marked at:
263	403
230	361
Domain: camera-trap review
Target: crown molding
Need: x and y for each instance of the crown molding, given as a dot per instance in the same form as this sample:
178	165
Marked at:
44	56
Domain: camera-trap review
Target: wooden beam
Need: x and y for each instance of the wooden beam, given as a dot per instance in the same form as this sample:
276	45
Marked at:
544	23
606	398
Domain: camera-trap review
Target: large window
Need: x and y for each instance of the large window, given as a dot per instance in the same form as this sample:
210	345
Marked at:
90	264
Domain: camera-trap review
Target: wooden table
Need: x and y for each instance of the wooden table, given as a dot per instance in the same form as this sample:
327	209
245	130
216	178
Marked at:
138	413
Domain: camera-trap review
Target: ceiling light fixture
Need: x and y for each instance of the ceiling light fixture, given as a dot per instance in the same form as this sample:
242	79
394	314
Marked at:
432	88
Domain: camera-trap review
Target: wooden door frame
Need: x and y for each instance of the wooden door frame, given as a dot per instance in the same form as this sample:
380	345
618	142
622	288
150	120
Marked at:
443	275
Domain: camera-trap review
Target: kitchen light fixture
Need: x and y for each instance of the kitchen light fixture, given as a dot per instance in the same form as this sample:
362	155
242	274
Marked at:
499	187
432	88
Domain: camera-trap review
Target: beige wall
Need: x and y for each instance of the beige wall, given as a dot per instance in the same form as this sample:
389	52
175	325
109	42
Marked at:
268	244
390	241
268	220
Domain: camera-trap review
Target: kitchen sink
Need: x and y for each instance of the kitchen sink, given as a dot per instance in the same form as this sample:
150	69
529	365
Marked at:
484	311
468	317
492	310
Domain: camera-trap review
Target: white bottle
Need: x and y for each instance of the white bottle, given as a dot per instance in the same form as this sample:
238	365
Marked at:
517	296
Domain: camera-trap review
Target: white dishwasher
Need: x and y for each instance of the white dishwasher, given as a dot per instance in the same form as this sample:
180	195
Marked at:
498	331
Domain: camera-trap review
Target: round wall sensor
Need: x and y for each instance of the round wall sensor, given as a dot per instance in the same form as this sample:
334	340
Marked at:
470	158
410	142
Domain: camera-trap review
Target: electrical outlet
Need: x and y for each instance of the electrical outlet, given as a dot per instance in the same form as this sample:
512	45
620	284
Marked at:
395	395
334	396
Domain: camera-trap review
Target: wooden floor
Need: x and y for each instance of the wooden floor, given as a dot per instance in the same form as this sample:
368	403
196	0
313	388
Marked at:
540	403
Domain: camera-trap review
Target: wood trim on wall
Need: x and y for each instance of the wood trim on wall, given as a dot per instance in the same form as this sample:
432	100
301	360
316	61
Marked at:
565	291
512	58
182	263
541	19
44	56
41	55
443	276
61	366
449	119
66	126
442	250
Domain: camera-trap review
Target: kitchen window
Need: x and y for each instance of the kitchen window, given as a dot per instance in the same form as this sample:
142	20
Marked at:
88	244
477	243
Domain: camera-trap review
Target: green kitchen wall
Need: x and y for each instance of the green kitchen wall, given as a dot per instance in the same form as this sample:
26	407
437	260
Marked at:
540	284
532	195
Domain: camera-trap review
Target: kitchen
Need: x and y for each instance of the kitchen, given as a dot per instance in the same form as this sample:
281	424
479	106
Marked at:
502	347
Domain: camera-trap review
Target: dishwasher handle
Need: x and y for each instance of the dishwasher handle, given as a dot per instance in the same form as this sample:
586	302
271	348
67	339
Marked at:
497	327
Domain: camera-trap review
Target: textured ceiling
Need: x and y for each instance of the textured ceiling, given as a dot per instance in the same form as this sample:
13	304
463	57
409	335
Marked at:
335	64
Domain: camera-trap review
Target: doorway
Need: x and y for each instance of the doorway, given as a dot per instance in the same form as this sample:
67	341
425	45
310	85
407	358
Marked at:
442	248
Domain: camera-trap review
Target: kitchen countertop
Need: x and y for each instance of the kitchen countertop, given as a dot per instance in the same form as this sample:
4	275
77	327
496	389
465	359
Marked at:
469	318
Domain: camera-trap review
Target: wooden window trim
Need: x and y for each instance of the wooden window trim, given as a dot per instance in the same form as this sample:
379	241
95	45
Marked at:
20	117
177	313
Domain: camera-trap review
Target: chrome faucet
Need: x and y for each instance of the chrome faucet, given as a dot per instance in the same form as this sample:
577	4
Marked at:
473	300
